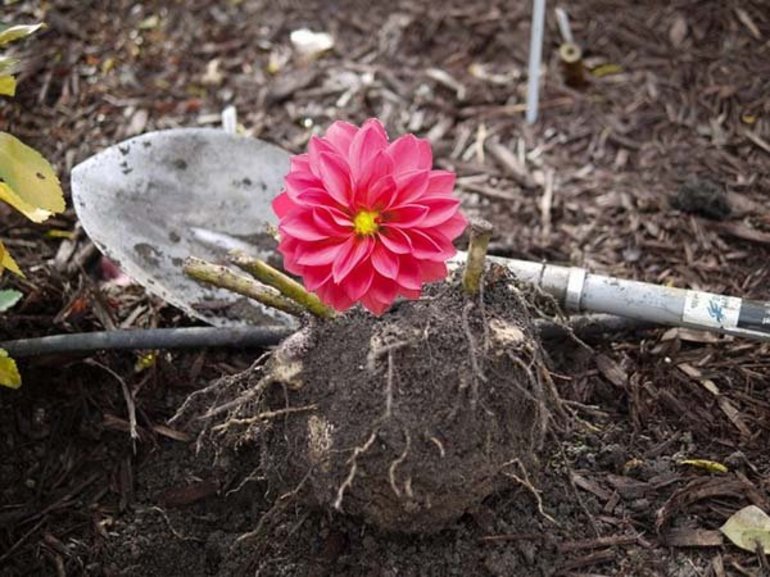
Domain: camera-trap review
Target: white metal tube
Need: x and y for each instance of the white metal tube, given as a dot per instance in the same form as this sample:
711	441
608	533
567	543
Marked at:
535	59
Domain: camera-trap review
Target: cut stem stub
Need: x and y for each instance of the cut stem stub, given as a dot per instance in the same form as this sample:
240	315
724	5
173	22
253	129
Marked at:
223	277
286	285
481	232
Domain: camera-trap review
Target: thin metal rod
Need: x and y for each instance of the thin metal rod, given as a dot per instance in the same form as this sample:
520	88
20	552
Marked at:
535	59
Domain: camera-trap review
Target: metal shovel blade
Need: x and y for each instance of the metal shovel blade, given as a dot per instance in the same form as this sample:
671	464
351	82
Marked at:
151	201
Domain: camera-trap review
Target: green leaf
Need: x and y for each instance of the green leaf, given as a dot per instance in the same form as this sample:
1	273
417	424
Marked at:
749	528
9	372
31	184
7	85
8	298
11	33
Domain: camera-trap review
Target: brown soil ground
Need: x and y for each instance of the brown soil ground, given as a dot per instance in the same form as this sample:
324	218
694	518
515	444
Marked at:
677	96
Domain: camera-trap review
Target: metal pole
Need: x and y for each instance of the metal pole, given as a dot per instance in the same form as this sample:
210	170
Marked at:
579	290
535	59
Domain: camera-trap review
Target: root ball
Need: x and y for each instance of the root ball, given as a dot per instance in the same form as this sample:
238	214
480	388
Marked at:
419	414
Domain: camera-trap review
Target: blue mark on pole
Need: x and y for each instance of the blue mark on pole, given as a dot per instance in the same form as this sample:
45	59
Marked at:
716	310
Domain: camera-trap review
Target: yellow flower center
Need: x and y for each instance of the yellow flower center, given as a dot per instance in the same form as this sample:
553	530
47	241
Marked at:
365	222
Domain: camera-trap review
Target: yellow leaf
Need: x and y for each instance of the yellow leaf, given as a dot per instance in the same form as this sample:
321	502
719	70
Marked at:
7	85
12	33
749	528
606	70
7	262
710	466
32	213
29	176
9	372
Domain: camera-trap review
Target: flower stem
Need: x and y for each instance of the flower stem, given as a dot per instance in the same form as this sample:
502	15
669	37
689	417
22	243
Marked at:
223	277
481	232
287	286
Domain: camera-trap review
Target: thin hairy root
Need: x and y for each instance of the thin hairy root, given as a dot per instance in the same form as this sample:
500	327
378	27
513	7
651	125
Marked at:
264	416
357	452
253	476
260	388
394	465
222	383
440	446
527	484
280	504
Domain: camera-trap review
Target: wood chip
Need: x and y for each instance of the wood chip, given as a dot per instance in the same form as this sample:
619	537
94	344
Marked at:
694	538
611	371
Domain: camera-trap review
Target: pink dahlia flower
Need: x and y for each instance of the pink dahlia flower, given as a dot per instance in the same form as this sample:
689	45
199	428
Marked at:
367	220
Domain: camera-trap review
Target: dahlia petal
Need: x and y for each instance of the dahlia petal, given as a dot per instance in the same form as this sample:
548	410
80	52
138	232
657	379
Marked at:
367	142
410	153
375	306
384	261
384	289
411	185
382	193
311	197
315	148
336	177
300	163
314	277
409	294
406	216
297	183
333	295
395	240
455	226
359	281
431	244
432	271
282	205
440	183
288	249
378	168
318	253
340	134
353	251
409	273
300	225
440	210
331	222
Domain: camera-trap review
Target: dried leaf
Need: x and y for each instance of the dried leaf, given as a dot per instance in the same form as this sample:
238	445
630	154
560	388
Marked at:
34	187
748	528
9	372
8	298
710	466
11	33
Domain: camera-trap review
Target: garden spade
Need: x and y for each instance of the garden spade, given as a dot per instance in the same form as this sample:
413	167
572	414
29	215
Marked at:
151	201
